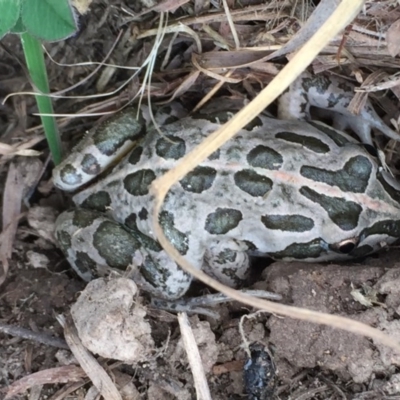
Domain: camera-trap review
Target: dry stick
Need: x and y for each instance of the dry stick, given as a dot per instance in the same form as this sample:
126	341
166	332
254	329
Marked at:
39	337
193	355
341	17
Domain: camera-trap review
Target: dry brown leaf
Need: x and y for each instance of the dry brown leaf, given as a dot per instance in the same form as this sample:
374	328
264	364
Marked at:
201	5
6	149
67	373
13	193
393	38
358	101
230	59
165	6
185	85
22	176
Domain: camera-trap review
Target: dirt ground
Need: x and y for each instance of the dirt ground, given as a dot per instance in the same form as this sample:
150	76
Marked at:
290	359
312	361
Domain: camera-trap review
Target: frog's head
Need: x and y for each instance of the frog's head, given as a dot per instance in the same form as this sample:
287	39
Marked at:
347	205
375	198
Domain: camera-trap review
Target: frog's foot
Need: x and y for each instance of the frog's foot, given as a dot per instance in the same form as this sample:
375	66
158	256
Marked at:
197	305
227	260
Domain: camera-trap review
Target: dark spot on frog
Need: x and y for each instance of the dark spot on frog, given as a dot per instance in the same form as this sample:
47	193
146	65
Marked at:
387	227
234	152
334	99
222	221
137	183
304	106
389	189
112	135
345	86
170	120
309	142
361	251
90	165
70	175
318	82
339	140
157	275
313	249
354	176
84	263
215	156
170	147
199	180
135	155
225	256
291	223
252	183
99	201
83	218
345	214
146	241
176	237
64	240
231	273
250	245
264	157
115	244
143	214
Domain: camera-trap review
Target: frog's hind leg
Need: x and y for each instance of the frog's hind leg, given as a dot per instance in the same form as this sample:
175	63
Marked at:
334	95
94	244
227	261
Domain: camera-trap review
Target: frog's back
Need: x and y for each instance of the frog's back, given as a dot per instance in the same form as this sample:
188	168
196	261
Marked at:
282	187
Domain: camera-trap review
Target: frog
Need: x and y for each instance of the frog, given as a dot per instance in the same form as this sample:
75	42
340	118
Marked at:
287	189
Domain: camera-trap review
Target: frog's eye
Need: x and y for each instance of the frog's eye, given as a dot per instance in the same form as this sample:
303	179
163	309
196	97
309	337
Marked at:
345	246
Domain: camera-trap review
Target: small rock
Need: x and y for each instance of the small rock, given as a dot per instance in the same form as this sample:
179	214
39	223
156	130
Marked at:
109	322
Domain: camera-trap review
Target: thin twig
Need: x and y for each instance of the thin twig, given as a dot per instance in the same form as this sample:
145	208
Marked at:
35	336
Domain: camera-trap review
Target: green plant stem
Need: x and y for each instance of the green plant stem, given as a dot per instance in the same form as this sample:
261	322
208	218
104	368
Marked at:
37	69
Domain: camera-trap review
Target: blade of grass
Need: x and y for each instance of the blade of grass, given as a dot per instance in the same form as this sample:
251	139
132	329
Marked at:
37	69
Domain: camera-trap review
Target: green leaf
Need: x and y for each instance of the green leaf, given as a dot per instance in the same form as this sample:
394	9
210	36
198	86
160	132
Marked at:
9	14
37	70
18	27
49	20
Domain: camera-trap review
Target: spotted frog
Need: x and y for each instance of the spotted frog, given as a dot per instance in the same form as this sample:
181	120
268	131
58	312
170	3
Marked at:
287	189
